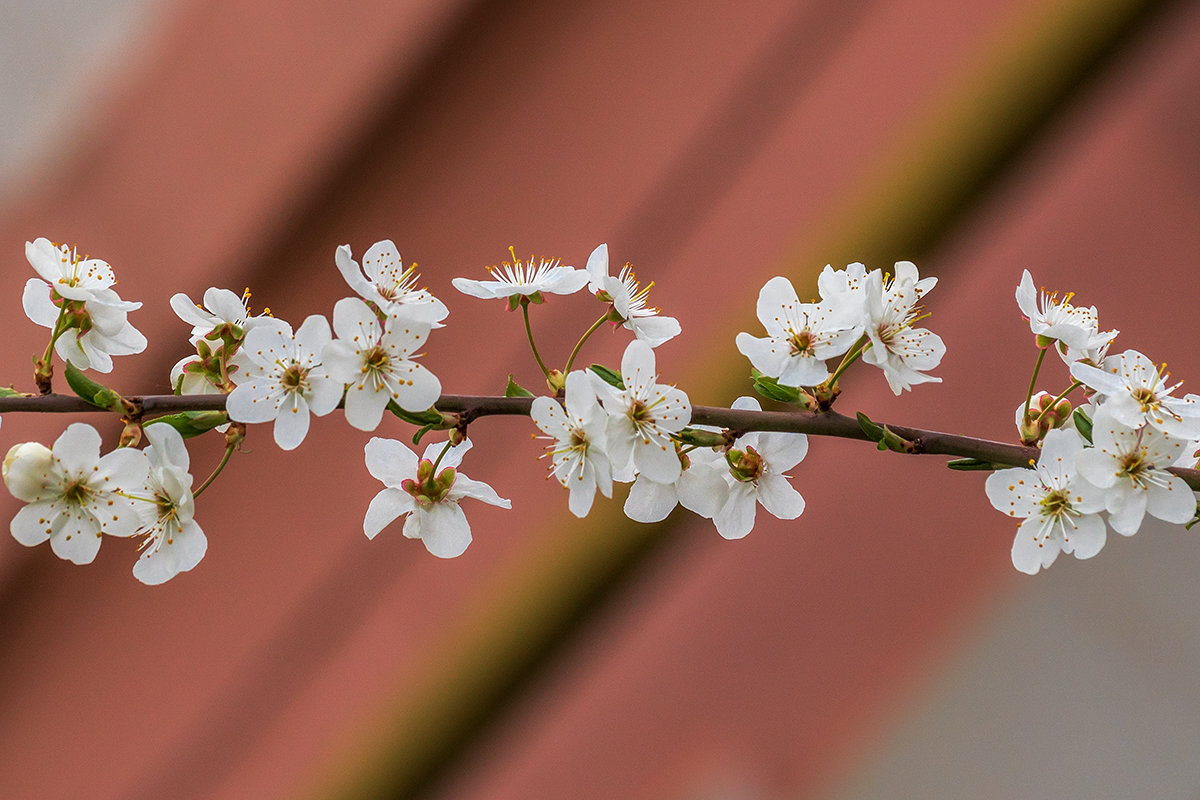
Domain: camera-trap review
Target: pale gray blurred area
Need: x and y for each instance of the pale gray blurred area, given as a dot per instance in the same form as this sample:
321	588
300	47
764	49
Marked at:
55	56
1084	684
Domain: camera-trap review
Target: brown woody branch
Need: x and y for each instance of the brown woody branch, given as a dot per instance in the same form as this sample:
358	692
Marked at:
828	423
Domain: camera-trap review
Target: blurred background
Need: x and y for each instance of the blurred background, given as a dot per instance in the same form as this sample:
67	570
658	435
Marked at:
880	646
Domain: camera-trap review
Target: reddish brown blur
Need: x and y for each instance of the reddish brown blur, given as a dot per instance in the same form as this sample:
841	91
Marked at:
712	149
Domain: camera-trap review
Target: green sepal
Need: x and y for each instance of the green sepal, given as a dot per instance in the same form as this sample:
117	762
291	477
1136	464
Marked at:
608	376
884	437
192	423
771	389
430	416
514	389
1083	424
1195	519
416	439
701	438
970	464
97	394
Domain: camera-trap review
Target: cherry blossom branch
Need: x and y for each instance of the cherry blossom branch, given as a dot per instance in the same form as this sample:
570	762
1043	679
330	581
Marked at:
472	407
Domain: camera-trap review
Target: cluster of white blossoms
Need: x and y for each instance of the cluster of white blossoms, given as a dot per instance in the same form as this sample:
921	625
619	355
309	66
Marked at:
1111	455
861	314
627	428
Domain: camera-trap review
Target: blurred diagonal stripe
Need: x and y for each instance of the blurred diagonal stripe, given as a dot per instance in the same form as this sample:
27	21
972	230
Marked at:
980	124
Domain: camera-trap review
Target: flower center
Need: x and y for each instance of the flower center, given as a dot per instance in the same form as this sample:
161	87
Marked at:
747	466
294	378
1146	398
77	493
802	343
428	490
376	359
1056	503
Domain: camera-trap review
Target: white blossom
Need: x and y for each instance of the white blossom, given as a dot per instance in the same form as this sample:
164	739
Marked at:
375	362
755	474
1131	467
902	351
74	495
77	291
1057	319
579	461
221	308
642	417
281	378
385	281
172	541
700	488
628	298
1059	508
1136	393
523	279
428	501
800	336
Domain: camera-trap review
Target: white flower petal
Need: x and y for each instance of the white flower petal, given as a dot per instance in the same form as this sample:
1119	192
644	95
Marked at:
291	426
444	530
390	461
736	517
385	507
650	501
779	497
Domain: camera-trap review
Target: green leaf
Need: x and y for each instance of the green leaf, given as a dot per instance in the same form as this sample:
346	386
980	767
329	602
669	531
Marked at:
970	464
1083	424
874	432
701	438
8	391
514	389
608	376
416	439
883	436
771	389
430	416
192	423
97	394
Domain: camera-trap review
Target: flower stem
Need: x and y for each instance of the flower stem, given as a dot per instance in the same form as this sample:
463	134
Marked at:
853	355
529	333
1033	381
216	472
445	450
1074	385
595	327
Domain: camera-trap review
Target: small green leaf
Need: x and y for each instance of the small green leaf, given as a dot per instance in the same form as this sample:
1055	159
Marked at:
95	393
430	416
701	438
8	391
772	389
608	376
514	389
970	464
883	436
874	432
1083	424
192	423
416	439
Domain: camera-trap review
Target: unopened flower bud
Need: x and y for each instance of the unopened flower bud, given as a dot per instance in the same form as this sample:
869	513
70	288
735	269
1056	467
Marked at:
235	434
1043	416
131	434
556	381
35	450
